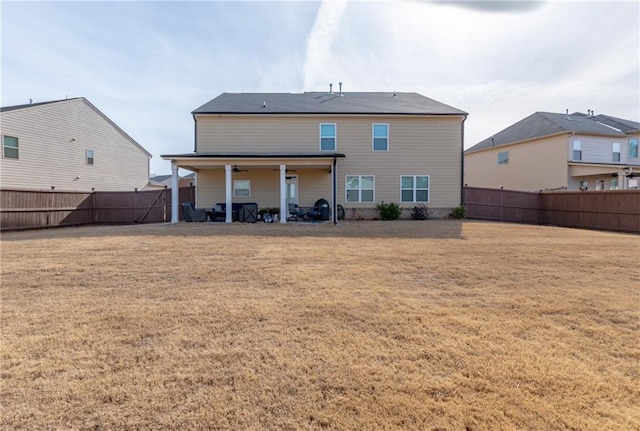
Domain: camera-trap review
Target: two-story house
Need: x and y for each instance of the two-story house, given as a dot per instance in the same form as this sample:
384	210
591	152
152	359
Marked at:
68	145
549	151
352	149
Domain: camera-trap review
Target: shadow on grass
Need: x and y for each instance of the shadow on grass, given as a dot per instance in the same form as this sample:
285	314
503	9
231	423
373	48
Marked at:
437	229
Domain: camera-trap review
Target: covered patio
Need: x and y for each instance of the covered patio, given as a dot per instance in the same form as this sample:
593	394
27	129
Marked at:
221	167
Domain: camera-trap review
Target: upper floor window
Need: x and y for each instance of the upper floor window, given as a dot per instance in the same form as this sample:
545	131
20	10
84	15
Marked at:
414	188
89	157
327	137
503	157
615	149
577	150
633	148
241	188
360	188
10	147
380	137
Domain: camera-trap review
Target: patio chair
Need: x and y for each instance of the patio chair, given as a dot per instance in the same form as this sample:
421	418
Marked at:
295	212
193	214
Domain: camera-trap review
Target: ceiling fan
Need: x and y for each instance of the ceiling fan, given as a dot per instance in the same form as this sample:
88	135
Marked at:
235	169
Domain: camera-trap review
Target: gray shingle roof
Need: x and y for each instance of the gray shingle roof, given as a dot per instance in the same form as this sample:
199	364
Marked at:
326	103
542	124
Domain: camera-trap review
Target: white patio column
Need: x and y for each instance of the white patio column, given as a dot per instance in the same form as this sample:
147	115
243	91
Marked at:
175	193
227	198
283	193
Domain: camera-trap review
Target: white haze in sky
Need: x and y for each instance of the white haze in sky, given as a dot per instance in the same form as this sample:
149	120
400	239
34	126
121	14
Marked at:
323	33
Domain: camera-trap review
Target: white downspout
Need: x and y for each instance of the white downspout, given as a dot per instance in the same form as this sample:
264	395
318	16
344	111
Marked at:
227	198
175	192
283	193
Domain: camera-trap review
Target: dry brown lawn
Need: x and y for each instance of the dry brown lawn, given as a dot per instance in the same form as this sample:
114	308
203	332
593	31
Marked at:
434	325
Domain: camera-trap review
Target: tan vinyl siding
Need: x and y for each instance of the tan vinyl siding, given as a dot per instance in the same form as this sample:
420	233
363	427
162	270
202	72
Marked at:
425	145
313	184
49	156
533	165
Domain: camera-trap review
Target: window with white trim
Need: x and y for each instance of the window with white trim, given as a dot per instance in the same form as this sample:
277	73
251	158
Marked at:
89	157
613	184
9	147
503	157
360	188
380	137
615	150
633	148
577	150
241	188
414	188
327	137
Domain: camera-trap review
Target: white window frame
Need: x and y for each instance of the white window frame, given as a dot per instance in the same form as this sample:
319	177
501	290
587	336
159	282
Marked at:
633	148
359	189
576	149
16	148
236	188
615	152
613	184
90	157
335	136
373	136
415	188
505	160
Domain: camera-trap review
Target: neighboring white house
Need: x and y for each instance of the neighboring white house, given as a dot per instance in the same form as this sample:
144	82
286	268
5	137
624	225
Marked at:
550	151
68	145
351	149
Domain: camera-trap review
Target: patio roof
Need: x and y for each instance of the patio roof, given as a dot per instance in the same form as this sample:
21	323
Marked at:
213	160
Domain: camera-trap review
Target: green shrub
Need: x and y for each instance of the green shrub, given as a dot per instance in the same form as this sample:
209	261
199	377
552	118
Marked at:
420	212
458	212
390	211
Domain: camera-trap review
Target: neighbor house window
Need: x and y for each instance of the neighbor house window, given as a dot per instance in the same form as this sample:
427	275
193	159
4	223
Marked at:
380	137
414	188
615	149
242	188
327	137
577	150
584	185
613	184
503	157
10	147
599	184
360	188
633	148
89	157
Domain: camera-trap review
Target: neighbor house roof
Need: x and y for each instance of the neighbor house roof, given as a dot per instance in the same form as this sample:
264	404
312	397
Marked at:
625	126
89	104
326	103
541	124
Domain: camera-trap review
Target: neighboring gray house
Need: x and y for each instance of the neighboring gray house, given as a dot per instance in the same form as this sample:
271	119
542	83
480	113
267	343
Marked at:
352	149
161	181
68	145
550	151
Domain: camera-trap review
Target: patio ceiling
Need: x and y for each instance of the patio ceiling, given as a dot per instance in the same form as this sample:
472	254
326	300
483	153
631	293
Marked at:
199	161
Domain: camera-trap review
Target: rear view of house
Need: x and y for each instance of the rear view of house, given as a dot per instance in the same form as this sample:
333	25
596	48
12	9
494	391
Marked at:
68	145
550	151
352	149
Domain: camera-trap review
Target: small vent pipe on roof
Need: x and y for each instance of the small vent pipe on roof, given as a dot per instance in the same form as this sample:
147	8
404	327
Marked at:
330	88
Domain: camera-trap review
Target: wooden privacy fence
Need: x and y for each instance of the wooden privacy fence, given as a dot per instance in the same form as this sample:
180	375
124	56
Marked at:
617	210
20	209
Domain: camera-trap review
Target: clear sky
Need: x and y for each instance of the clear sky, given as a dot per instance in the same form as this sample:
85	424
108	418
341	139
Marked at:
148	64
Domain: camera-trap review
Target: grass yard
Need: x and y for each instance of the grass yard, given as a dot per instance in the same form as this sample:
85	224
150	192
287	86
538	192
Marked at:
404	325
